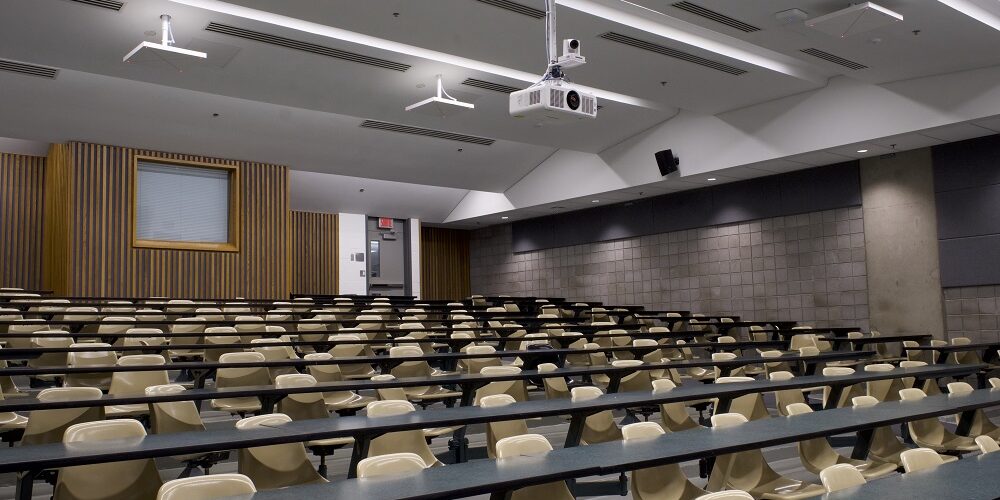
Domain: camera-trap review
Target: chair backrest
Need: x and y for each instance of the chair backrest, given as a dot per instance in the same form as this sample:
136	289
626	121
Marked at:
172	416
497	430
250	331
841	476
48	426
749	405
393	464
388	393
239	377
920	459
206	487
517	389
638	380
275	466
599	427
555	387
109	480
788	396
987	444
303	405
90	358
726	495
886	389
411	441
135	383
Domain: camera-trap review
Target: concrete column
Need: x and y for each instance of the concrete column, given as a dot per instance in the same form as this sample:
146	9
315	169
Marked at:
904	285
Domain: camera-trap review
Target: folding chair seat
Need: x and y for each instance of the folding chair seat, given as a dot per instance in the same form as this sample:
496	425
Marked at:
499	429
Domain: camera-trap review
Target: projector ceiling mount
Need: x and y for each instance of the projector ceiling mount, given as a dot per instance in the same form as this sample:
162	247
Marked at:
554	98
164	51
442	104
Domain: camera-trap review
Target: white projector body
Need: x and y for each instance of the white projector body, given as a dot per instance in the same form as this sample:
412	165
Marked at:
553	100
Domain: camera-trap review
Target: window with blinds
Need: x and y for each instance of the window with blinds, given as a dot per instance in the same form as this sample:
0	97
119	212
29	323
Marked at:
184	206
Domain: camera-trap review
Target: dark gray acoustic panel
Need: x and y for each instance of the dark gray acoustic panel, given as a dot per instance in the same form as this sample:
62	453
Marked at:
968	212
810	190
966	164
748	200
970	261
684	210
821	188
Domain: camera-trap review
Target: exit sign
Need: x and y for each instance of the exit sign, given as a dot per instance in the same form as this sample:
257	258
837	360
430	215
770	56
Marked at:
385	222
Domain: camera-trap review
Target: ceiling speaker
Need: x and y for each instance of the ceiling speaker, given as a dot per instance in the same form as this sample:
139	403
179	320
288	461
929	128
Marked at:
667	162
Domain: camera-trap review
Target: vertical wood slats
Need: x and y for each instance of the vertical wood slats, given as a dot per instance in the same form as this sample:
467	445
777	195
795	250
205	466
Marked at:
313	253
104	263
444	263
21	206
57	222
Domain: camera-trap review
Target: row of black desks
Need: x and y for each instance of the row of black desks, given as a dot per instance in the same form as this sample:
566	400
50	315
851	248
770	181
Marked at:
497	477
33	459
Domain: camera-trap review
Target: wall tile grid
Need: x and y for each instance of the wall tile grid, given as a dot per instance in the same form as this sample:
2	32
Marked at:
972	311
808	267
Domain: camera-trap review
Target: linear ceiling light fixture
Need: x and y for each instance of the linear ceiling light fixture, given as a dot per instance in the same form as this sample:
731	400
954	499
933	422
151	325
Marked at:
976	11
391	46
164	51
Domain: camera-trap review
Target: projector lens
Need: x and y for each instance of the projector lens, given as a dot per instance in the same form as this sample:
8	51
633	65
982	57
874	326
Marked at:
573	100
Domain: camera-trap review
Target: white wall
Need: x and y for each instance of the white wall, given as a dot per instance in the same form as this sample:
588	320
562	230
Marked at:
414	229
351	239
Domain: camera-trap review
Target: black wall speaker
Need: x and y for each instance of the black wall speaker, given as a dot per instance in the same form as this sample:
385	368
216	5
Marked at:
667	162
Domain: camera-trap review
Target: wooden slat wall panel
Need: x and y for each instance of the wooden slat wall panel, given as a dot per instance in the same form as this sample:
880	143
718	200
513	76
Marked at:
104	263
444	263
314	253
21	206
56	243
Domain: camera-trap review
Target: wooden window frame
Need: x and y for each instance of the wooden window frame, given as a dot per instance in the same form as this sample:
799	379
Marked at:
233	245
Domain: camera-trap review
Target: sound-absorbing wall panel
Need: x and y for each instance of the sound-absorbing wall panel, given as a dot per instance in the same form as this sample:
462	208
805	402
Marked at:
21	205
444	263
103	261
313	252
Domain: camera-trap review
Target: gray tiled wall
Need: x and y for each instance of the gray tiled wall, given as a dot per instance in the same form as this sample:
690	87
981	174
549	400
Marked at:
972	311
808	267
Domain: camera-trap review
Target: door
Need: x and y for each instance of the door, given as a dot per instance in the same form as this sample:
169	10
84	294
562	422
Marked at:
388	263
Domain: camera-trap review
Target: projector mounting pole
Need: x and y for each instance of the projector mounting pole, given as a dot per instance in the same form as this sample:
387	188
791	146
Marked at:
552	70
168	34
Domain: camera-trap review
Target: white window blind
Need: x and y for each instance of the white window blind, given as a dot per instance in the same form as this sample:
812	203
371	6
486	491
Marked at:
178	203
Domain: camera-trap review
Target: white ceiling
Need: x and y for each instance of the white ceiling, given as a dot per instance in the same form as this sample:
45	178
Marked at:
303	110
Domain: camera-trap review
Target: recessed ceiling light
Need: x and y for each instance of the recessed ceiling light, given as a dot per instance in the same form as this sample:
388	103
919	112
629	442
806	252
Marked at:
504	217
710	179
862	150
595	201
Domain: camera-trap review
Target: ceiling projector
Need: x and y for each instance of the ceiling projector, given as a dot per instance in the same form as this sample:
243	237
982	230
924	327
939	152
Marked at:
554	98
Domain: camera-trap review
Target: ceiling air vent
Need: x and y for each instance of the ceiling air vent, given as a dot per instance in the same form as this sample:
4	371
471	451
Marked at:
712	15
496	87
313	48
27	69
439	134
847	63
104	4
516	7
669	52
